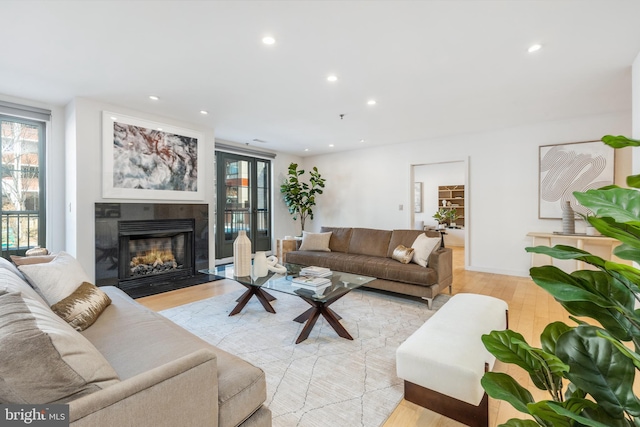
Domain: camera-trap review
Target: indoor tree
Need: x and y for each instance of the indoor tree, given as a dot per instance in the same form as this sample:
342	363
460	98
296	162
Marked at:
300	196
588	369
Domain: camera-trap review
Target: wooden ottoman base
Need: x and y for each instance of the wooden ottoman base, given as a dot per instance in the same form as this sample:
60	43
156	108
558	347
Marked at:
474	416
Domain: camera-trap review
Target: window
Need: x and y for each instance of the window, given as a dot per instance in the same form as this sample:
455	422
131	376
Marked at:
23	196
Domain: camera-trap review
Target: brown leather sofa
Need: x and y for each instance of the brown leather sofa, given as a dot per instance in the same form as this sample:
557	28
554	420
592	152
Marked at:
368	252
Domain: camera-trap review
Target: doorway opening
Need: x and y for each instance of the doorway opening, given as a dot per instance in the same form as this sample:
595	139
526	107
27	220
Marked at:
444	187
243	202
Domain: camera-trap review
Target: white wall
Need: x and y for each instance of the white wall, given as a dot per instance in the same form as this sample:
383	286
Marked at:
366	187
432	176
55	227
84	173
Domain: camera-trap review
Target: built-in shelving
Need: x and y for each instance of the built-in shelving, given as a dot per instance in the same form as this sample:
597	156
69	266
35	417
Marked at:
452	196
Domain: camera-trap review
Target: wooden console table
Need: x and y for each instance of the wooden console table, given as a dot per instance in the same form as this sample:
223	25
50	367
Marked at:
283	246
597	245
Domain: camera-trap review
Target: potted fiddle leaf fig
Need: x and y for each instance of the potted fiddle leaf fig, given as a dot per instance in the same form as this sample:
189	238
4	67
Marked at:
588	369
300	196
442	216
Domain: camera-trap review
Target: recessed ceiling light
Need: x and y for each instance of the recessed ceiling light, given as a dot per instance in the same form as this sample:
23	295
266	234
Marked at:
268	40
371	102
306	149
332	78
153	97
362	140
534	48
330	145
204	112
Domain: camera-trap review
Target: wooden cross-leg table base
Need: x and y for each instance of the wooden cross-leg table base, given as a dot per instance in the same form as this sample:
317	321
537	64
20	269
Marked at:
263	296
311	316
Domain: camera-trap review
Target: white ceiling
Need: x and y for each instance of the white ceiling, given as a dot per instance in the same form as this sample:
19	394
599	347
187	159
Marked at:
434	67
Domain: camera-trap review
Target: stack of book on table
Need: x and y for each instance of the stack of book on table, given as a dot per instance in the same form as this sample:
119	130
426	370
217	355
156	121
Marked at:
313	278
314	271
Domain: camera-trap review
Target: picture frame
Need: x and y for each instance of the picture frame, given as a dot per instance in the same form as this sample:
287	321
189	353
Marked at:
142	159
417	197
565	168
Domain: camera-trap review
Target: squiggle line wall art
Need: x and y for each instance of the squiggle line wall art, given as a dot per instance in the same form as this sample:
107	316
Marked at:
572	167
150	160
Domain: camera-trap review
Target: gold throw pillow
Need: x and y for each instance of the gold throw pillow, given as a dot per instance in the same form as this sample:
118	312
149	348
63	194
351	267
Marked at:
83	306
403	254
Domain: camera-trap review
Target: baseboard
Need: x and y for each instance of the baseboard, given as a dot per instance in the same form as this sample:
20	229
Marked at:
498	271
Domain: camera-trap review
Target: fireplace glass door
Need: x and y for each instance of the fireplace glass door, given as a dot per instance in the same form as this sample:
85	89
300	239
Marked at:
244	188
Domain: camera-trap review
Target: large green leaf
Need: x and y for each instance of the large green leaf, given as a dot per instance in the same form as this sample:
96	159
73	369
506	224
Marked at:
550	335
627	232
596	419
564	287
567	252
600	369
632	355
611	286
633	181
510	347
627	252
502	387
620	141
547	416
621	204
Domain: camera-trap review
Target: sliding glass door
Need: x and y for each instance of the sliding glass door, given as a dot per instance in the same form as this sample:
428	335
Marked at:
243	202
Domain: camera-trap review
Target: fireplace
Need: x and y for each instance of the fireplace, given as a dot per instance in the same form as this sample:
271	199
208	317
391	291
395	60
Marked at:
147	248
155	250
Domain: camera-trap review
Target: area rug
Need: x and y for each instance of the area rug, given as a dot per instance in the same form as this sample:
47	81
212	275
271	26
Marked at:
325	380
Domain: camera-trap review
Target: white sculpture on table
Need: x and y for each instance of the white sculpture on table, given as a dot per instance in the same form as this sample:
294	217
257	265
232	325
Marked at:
272	265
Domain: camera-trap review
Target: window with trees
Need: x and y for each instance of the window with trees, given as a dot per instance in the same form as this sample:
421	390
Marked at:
23	196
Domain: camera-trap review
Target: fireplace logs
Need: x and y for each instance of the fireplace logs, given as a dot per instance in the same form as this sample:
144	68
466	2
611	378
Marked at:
153	262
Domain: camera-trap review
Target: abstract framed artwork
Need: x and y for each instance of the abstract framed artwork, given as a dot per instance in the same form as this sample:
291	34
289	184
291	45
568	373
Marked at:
148	160
417	197
565	168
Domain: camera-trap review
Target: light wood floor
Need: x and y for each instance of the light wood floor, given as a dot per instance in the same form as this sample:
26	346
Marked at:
530	310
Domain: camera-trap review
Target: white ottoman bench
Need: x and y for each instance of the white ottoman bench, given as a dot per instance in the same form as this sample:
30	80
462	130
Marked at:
443	361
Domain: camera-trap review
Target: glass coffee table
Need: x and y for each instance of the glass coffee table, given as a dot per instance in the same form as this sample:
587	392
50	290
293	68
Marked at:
341	284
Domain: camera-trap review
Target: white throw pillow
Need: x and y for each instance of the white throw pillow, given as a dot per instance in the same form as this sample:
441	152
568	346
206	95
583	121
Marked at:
315	241
423	246
57	279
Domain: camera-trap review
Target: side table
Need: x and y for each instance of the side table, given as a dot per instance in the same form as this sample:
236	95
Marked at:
286	245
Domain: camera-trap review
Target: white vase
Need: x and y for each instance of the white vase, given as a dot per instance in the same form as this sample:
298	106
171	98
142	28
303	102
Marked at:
260	266
242	255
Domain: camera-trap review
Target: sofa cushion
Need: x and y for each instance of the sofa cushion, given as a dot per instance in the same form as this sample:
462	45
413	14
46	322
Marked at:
134	339
368	241
10	282
56	279
44	359
402	237
403	254
7	265
35	259
315	241
82	307
423	247
340	238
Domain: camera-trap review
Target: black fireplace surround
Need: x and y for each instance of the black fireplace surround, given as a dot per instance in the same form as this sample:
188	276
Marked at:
147	248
